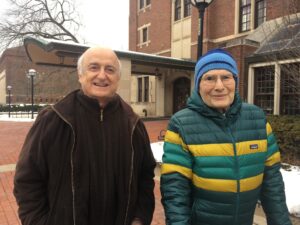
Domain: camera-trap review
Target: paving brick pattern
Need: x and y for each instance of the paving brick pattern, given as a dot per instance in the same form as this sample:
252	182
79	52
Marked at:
12	136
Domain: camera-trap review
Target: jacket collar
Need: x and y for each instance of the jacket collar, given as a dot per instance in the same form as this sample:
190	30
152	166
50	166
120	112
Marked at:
196	103
93	106
65	108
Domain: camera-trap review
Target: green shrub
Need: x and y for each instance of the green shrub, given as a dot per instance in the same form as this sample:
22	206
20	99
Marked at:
287	132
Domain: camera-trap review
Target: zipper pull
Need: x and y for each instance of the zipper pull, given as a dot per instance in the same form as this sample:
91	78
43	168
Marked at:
101	115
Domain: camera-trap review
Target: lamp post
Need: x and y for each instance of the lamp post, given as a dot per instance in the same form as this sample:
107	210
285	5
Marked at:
201	5
9	98
31	74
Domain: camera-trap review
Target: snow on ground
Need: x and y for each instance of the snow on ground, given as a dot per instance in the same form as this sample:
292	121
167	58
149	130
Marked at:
4	117
291	177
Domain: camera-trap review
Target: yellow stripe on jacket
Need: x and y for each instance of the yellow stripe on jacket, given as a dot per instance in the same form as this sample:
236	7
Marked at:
226	149
174	138
220	185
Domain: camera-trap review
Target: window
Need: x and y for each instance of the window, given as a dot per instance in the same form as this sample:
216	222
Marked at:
260	12
143	89
250	20
177	10
245	15
146	86
144	3
144	34
140	89
290	89
264	88
187	8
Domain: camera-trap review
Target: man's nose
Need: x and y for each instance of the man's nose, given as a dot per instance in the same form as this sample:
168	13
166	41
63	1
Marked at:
101	74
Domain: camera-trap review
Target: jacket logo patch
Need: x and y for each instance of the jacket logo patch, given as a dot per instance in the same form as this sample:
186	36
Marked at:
254	146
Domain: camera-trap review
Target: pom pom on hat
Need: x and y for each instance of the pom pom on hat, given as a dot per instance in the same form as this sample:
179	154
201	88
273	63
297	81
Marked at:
215	59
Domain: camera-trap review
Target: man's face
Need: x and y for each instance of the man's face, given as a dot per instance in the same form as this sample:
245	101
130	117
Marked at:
217	89
100	74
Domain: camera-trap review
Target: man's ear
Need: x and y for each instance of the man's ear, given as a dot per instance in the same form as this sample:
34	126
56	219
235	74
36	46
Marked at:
80	78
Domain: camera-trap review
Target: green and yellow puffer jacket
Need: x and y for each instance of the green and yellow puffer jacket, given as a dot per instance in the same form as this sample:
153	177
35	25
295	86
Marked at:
216	167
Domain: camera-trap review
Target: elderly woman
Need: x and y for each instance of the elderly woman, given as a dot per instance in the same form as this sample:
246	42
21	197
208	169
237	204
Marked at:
220	155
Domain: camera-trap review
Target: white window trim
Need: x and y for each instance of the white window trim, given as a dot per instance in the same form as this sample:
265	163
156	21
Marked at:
277	72
182	12
143	89
144	8
237	16
140	33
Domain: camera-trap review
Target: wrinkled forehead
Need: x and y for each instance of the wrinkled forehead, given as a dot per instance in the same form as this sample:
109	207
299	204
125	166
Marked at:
100	55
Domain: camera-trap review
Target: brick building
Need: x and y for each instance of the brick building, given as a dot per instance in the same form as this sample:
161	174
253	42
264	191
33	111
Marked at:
50	84
262	35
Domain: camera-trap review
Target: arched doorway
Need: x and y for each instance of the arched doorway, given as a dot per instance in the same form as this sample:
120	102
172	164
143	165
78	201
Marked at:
181	92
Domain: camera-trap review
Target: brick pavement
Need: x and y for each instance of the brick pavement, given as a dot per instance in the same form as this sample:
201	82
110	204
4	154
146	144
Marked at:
12	136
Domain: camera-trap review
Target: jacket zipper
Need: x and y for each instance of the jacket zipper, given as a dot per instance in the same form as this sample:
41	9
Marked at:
238	175
101	115
131	172
72	165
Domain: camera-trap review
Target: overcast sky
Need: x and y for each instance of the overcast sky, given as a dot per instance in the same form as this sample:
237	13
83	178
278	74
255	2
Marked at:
105	22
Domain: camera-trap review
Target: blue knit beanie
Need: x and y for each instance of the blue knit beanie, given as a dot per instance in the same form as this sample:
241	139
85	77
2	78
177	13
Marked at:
215	59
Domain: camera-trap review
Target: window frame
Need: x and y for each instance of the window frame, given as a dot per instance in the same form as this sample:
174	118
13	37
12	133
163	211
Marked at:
187	8
264	88
177	10
140	89
143	89
291	91
246	15
142	4
144	35
258	20
146	89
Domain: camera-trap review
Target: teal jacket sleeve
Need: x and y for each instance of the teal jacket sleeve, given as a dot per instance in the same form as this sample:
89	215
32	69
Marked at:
272	193
176	177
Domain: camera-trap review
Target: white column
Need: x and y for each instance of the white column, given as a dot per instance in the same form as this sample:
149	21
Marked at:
125	82
277	76
250	97
160	95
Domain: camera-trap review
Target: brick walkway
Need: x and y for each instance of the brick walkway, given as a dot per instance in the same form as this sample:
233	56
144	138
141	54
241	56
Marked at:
12	135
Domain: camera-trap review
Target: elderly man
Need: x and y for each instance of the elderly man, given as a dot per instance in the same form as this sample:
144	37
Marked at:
220	155
87	160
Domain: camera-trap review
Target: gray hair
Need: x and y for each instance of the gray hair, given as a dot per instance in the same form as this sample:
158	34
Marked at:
80	65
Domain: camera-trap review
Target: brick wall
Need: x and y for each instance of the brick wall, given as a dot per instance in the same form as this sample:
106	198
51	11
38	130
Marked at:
50	84
278	8
159	15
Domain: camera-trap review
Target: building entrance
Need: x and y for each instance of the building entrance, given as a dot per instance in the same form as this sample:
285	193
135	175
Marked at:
181	92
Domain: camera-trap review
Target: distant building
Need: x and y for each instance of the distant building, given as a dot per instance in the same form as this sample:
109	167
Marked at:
157	72
262	35
51	83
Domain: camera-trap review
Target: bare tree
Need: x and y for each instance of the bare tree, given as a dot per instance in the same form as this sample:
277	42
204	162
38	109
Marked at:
56	19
